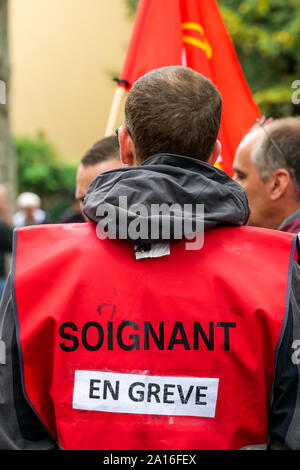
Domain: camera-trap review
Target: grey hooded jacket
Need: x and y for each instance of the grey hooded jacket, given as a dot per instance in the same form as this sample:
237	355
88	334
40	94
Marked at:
161	179
171	180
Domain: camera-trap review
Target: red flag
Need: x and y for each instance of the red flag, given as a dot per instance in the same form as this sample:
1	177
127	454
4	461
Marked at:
192	33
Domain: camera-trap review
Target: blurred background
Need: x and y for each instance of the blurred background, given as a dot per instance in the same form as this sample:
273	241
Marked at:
58	59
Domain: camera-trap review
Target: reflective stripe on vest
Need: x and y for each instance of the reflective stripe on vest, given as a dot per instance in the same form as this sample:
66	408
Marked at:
175	352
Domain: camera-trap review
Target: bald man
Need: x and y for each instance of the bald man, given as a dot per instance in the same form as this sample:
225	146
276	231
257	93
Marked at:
247	175
267	165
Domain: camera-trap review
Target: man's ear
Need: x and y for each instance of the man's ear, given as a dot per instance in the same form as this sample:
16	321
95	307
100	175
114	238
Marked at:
216	152
127	148
278	183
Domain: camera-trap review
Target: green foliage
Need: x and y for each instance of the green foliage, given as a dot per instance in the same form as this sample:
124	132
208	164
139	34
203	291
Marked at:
40	171
132	6
266	36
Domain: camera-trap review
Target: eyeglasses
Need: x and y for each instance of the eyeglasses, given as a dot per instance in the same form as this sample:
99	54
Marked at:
271	139
117	132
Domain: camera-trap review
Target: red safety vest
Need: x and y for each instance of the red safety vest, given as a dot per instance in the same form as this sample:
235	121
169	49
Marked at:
176	352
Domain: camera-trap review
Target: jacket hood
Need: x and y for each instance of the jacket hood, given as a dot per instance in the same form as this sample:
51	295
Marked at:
164	179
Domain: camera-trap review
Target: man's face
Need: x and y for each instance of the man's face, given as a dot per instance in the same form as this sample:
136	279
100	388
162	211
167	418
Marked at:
29	212
246	174
87	173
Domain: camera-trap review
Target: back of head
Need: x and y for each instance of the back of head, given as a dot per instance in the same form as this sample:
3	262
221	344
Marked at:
280	148
103	150
173	110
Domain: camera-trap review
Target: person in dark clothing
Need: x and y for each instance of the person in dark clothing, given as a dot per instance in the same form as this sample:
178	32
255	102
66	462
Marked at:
104	155
169	144
73	215
6	236
267	165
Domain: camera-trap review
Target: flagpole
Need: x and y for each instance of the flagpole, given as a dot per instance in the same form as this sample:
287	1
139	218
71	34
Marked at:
114	111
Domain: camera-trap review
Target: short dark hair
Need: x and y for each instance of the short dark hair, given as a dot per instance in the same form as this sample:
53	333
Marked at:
279	148
173	110
103	150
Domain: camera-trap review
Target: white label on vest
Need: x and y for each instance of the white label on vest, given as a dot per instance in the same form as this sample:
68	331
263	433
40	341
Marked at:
145	394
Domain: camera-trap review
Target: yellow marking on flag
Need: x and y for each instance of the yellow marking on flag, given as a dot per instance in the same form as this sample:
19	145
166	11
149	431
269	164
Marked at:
194	26
200	43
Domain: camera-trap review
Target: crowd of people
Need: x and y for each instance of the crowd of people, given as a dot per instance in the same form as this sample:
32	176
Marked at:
245	284
102	156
